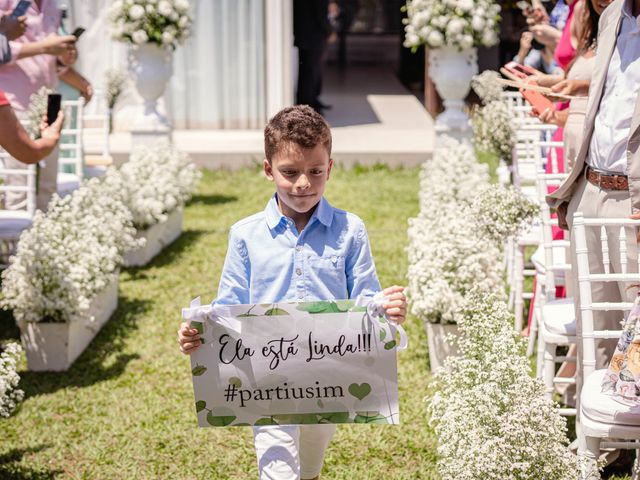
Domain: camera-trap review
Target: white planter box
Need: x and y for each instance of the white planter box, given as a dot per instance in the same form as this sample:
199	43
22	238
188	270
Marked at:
54	347
439	347
157	237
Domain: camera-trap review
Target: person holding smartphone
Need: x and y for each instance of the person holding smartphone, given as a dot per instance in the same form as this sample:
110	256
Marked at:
34	65
16	141
10	29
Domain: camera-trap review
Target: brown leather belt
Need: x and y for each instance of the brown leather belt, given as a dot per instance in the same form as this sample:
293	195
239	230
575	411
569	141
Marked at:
607	181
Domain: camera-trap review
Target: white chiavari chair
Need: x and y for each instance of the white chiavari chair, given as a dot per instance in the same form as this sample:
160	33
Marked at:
71	158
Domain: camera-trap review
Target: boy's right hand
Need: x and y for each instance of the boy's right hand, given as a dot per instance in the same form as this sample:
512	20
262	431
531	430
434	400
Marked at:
188	338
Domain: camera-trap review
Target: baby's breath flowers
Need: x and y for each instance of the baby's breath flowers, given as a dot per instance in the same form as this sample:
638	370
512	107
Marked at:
447	256
494	129
70	254
10	394
486	86
115	80
502	212
36	110
157	181
491	417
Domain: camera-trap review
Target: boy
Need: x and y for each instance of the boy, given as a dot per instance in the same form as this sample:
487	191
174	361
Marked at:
299	248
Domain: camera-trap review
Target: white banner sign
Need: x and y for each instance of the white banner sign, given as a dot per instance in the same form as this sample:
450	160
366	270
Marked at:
294	363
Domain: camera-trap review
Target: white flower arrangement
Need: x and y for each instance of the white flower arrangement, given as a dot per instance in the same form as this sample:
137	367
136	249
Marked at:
491	417
70	254
165	23
452	176
447	255
115	80
10	394
158	180
453	23
487	87
36	110
494	129
502	212
447	259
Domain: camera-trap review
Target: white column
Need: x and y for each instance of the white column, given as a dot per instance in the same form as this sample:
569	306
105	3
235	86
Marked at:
279	42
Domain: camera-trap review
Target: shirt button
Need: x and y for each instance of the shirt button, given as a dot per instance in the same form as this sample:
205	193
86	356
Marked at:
299	248
298	271
334	259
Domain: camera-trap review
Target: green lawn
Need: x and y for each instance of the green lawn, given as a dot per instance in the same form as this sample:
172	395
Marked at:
125	409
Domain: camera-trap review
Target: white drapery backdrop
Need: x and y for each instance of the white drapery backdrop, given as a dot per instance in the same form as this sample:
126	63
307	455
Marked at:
220	74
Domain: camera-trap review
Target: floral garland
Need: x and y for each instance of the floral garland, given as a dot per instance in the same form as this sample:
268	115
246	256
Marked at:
162	22
10	394
455	23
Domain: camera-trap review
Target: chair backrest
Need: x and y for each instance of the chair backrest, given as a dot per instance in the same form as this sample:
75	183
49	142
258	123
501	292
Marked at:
96	125
555	257
29	187
71	141
518	107
533	146
620	230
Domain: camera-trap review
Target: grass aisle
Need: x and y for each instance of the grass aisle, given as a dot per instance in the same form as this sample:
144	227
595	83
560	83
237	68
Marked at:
125	409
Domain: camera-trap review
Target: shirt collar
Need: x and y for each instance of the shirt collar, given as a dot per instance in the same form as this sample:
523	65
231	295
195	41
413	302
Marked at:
627	9
323	213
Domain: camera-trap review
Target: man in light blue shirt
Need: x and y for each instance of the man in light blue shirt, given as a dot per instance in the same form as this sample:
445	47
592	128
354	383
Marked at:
302	249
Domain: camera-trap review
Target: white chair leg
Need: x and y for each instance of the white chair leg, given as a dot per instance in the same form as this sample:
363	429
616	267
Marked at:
519	287
549	368
588	459
635	471
540	357
533	334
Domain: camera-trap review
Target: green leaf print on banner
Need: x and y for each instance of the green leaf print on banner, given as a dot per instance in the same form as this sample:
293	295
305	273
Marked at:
220	420
235	381
320	307
334	417
248	312
390	345
296	419
200	405
383	334
275	311
265	421
198	370
198	326
370	417
360	391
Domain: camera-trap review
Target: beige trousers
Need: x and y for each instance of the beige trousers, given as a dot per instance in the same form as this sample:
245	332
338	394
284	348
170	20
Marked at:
594	202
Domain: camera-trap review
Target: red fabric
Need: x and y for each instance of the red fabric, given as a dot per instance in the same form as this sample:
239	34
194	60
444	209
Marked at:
3	99
565	52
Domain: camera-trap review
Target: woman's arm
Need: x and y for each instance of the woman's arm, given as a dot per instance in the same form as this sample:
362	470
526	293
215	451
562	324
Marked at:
52	45
16	141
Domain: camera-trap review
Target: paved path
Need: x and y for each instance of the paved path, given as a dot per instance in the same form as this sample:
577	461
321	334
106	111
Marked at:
374	119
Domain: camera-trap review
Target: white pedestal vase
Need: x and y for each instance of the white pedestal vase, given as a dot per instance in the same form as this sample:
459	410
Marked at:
53	347
451	70
157	237
151	67
439	346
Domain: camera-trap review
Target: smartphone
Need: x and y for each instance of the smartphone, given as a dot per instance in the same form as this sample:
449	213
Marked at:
77	32
538	101
54	102
21	8
519	70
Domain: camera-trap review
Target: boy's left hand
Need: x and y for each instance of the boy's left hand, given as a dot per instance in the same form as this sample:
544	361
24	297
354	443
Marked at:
396	306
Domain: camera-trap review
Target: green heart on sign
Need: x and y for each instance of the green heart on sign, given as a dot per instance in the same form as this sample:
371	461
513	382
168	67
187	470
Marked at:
360	391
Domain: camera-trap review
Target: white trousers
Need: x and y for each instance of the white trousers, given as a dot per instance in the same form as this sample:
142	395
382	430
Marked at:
291	452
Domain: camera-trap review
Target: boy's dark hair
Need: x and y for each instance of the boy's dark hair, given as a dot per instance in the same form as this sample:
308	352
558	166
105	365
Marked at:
299	124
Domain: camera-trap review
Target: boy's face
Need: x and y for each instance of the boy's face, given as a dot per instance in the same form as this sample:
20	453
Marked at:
300	175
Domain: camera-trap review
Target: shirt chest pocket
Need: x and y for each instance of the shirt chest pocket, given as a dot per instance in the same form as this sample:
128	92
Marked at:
329	267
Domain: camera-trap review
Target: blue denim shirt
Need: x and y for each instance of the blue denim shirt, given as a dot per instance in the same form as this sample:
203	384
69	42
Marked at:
268	261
